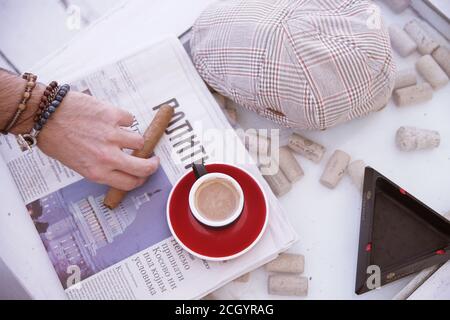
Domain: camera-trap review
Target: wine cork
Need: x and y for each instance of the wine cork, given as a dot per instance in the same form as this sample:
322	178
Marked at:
425	43
210	296
228	108
356	170
401	42
335	169
413	94
442	56
231	116
220	99
307	148
278	182
230	104
255	144
244	278
152	135
289	165
412	138
431	72
398	6
287	263
405	78
288	285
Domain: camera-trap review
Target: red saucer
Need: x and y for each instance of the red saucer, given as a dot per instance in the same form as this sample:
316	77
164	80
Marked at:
218	243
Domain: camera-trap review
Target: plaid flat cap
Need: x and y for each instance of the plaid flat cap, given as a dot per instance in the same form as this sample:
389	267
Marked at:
307	64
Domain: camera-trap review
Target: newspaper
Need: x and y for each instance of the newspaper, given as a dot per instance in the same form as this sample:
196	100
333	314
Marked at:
128	252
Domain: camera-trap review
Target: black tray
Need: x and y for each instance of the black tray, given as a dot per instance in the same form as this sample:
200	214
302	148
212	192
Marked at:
398	232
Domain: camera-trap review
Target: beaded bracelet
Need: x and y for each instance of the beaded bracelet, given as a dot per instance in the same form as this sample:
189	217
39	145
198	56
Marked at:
31	83
29	140
48	96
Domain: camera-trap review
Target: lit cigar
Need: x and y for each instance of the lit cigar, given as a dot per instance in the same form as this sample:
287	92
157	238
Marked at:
152	136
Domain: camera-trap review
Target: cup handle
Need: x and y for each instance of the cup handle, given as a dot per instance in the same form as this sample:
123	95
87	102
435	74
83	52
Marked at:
199	169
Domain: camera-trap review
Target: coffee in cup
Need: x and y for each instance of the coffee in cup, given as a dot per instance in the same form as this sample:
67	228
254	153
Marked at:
216	199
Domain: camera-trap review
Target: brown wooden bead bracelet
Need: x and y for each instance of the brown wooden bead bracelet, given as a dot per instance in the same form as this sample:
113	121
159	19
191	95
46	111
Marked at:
31	78
48	96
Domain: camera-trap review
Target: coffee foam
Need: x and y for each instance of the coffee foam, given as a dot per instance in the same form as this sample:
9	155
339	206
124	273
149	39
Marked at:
216	199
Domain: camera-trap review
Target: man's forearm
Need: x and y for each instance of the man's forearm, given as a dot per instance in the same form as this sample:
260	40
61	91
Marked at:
11	90
94	138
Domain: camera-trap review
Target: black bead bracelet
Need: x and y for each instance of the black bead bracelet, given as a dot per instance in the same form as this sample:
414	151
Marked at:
29	140
46	114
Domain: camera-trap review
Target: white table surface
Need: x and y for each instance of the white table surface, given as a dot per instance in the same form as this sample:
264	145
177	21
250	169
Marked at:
327	221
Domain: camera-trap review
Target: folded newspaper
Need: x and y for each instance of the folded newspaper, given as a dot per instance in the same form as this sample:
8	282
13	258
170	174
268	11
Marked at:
61	242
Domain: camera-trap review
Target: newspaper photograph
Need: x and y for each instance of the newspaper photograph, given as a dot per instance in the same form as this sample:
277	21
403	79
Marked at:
78	230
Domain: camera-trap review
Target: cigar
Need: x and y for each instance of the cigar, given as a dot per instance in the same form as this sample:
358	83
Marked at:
152	135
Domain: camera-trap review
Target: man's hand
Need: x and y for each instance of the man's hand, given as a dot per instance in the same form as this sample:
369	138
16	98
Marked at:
84	134
87	136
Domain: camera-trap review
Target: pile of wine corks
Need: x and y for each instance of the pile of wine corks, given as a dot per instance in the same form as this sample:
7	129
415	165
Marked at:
290	171
337	164
285	277
286	170
433	65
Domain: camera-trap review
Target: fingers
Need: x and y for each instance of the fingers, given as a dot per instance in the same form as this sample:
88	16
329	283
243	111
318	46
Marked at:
123	181
122	117
137	166
128	172
128	139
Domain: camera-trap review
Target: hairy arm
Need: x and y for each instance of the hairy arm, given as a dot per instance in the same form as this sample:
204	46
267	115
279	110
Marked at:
11	89
85	134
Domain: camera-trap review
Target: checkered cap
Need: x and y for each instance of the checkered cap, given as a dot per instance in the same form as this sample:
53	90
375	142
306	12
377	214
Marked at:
308	64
